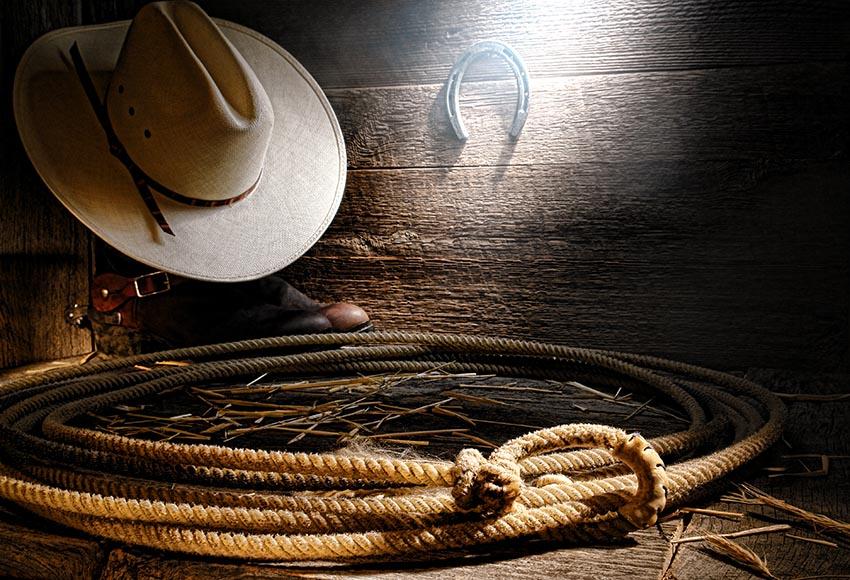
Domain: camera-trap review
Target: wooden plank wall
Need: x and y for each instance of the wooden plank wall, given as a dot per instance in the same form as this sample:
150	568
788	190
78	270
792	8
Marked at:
680	188
44	251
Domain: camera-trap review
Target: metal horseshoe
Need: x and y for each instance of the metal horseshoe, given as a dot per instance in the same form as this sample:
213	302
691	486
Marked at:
510	56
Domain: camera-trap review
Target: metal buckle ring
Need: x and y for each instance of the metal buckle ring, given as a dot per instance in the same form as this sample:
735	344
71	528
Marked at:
160	281
456	76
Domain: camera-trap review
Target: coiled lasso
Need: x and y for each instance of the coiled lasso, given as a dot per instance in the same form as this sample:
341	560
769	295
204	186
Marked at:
275	505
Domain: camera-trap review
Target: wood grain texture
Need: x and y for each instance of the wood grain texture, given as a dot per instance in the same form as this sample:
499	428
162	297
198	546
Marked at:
717	263
775	113
812	428
391	42
556	286
410	42
44	251
28	551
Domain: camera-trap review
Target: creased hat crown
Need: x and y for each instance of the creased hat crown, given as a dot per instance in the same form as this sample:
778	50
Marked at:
194	145
186	106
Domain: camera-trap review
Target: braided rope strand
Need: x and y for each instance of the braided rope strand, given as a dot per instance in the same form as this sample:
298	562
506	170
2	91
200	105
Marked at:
576	482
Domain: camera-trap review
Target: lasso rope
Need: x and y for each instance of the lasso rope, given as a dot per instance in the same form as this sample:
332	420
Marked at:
276	505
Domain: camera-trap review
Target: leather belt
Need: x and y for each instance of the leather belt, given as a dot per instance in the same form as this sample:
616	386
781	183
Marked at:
110	291
113	297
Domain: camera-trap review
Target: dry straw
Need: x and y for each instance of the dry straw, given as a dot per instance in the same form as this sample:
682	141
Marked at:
739	554
738	534
349	410
819	522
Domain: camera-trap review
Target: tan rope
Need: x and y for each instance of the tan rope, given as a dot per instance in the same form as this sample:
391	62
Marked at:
574	482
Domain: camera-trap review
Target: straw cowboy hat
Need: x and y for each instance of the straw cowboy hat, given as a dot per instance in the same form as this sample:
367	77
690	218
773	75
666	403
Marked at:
193	145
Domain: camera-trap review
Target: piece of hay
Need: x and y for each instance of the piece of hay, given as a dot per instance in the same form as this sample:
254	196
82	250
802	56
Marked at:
812	540
738	534
819	522
738	553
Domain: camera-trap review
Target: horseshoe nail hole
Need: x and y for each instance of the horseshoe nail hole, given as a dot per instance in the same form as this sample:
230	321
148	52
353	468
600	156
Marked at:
147	134
132	111
661	465
647	448
120	89
632	436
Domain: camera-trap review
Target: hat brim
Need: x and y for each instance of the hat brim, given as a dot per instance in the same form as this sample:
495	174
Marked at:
295	200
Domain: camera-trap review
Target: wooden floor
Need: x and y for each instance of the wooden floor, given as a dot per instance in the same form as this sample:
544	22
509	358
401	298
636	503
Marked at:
33	548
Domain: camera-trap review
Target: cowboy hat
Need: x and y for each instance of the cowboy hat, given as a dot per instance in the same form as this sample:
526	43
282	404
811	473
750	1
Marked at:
196	146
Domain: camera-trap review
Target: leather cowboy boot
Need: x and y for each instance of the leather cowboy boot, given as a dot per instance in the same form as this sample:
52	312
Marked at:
344	317
158	310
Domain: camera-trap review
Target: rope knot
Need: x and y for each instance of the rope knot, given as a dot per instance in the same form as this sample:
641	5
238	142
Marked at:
484	486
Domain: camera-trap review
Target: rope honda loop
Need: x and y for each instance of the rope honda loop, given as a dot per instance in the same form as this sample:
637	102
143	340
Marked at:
572	483
491	486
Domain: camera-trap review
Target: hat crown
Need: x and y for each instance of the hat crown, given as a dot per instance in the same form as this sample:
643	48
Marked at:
186	106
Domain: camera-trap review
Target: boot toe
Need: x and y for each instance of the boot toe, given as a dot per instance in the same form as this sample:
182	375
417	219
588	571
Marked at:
346	317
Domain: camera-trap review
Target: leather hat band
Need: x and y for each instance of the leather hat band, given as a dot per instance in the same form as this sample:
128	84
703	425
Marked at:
144	182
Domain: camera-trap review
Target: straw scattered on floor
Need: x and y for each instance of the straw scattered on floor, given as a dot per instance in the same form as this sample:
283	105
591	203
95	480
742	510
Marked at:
344	411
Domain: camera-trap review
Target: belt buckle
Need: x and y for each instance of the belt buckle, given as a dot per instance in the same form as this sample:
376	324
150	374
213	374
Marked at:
154	283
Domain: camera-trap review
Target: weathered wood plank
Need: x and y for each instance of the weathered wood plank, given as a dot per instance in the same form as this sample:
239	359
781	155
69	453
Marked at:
717	262
640	557
787	112
44	251
390	42
30	552
812	428
440	256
